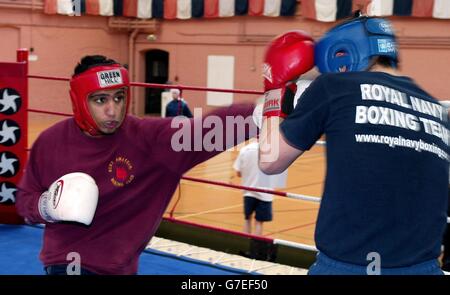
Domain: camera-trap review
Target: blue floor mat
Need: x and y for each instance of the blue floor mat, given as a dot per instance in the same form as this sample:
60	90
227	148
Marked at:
20	246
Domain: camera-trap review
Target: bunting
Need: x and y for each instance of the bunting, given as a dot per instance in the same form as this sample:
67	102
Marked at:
320	10
332	10
172	9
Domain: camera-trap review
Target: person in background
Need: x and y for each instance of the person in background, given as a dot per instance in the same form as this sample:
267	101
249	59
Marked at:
177	106
246	167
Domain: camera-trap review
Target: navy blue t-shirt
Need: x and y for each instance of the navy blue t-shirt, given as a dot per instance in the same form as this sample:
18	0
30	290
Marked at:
387	166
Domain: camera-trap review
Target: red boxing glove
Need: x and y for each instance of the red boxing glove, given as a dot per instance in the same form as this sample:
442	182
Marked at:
287	57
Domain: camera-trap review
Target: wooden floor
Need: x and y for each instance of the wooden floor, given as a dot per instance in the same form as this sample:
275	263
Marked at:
293	220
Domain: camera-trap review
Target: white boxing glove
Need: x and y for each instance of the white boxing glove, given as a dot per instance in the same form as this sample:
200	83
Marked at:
73	197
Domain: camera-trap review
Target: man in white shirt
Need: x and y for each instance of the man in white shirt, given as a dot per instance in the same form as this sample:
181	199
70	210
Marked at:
246	167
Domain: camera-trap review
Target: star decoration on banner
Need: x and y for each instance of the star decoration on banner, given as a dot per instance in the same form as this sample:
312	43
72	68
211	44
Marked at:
7	133
6	164
7	194
8	101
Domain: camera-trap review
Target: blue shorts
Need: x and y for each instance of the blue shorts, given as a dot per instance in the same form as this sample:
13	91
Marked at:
325	265
263	209
61	269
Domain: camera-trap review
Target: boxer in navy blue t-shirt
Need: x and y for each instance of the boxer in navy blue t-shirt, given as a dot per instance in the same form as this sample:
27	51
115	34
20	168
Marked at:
383	208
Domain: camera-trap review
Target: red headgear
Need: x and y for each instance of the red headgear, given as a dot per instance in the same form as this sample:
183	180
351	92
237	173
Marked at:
103	77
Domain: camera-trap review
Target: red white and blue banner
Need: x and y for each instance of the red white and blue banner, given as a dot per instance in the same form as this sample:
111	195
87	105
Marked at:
417	8
172	9
320	10
332	10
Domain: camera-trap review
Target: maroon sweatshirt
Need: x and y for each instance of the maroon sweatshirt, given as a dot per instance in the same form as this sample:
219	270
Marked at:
137	172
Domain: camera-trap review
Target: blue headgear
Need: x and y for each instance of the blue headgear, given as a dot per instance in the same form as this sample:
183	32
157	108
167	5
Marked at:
351	45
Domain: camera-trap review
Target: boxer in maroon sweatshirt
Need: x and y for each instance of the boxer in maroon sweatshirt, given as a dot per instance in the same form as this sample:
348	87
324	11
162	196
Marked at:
101	181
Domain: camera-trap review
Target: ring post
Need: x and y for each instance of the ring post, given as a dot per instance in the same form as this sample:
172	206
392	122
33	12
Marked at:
14	132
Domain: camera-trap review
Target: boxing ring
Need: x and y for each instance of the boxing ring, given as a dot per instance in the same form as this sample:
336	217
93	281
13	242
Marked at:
31	234
184	261
23	260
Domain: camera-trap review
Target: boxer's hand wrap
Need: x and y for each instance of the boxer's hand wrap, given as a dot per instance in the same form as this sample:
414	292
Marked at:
287	57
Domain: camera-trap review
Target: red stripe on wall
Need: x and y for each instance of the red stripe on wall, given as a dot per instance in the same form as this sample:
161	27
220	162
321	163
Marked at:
308	8
360	5
92	7
170	9
422	8
255	7
50	7
130	8
211	8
